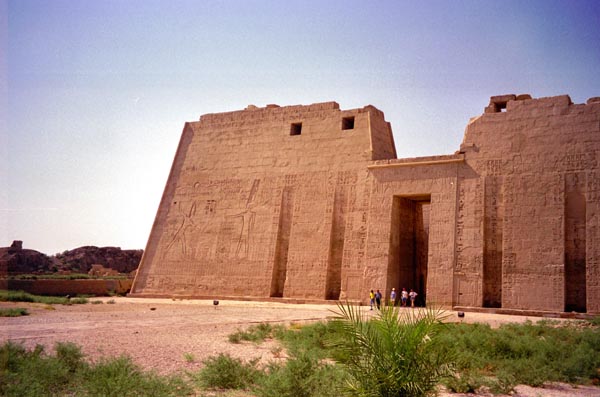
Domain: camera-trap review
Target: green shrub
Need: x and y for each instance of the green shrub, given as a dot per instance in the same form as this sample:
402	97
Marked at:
15	296
303	375
226	372
466	383
79	301
256	333
189	357
13	312
70	355
34	373
21	296
526	353
595	321
313	337
235	337
118	377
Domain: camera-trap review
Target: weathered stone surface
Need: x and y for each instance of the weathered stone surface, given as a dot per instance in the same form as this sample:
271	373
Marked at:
595	99
522	97
310	202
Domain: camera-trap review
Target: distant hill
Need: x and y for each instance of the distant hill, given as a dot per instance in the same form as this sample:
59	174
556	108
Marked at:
81	259
16	260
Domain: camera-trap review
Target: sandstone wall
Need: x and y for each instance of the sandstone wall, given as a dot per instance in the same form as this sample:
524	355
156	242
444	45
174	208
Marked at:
535	166
310	202
266	202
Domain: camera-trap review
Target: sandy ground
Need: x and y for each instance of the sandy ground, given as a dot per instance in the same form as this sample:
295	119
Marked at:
163	334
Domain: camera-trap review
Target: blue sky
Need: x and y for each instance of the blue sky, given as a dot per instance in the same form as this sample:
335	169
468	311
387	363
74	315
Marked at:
94	94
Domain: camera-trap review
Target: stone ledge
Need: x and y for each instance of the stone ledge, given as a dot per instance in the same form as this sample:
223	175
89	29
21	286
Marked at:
521	312
418	161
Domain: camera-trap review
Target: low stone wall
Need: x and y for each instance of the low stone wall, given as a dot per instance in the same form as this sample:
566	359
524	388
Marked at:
68	287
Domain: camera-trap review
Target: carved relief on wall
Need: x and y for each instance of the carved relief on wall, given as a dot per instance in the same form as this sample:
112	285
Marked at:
179	240
492	166
237	229
190	218
210	207
575	161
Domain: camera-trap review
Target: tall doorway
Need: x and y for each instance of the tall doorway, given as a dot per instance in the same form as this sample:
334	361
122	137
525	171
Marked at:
409	245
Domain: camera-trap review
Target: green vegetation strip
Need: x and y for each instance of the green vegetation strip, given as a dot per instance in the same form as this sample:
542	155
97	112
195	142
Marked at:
13	312
21	296
406	353
527	353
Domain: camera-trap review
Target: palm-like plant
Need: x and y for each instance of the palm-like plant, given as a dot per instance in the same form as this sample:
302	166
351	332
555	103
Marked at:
392	354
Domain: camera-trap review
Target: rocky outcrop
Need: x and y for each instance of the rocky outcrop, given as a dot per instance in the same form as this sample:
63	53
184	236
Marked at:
81	259
16	260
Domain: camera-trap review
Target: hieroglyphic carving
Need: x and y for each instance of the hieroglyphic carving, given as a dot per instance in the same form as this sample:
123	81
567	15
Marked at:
460	224
347	178
468	248
575	242
509	262
577	161
491	166
492	256
210	207
593	186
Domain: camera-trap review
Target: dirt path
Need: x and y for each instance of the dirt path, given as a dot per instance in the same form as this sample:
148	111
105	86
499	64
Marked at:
159	333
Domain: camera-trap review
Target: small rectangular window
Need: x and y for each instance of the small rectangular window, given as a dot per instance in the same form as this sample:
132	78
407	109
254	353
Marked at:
296	129
348	123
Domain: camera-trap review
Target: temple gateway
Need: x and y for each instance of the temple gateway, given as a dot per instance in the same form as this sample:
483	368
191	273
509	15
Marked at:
311	203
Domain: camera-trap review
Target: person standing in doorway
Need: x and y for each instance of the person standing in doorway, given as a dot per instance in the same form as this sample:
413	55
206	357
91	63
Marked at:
378	299
412	296
393	297
372	298
404	297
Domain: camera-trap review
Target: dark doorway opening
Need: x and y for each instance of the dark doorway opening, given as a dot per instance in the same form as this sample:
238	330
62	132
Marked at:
409	245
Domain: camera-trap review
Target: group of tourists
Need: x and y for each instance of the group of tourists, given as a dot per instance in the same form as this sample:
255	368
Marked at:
375	298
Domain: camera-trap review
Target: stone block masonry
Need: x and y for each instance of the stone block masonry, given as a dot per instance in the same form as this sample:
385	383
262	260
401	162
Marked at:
311	203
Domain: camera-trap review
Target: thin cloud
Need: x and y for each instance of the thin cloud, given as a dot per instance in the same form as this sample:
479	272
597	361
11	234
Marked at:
29	209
